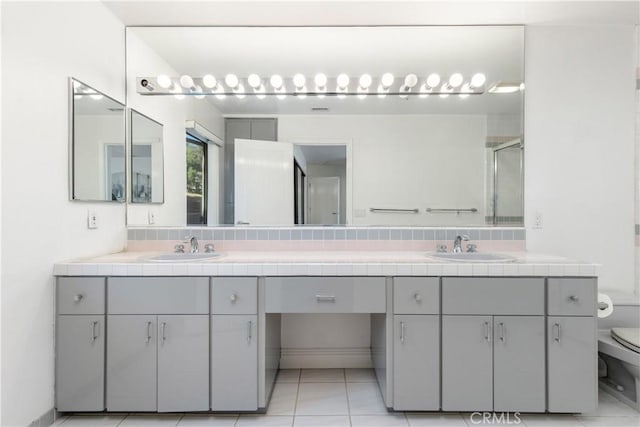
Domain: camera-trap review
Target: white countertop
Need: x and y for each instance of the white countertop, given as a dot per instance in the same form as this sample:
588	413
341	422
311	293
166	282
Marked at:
321	263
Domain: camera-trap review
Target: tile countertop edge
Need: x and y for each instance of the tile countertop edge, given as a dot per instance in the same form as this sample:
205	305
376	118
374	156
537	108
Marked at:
374	264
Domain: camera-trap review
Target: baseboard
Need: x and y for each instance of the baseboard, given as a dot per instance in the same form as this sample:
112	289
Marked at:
46	419
297	358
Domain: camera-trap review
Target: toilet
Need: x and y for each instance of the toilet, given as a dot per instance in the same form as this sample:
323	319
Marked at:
619	349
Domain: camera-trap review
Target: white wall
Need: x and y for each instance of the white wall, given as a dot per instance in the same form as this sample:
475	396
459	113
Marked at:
579	146
316	171
172	113
42	45
394	165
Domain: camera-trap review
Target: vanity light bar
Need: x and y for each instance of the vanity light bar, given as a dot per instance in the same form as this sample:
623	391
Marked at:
319	85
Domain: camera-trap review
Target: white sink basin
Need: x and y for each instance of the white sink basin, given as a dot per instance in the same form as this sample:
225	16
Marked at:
471	257
184	257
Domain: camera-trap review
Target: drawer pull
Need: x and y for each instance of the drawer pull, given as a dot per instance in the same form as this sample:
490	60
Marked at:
249	328
417	297
574	298
503	330
78	297
402	333
487	331
163	327
556	327
149	331
233	298
94	331
326	298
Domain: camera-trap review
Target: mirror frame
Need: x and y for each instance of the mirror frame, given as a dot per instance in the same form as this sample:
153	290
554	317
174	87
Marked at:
71	148
129	158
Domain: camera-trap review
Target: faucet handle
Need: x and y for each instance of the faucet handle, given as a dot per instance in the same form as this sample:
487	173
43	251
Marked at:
472	247
441	248
179	248
464	237
209	248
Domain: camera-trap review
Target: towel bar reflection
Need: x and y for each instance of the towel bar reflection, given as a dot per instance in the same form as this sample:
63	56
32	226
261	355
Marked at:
382	210
435	210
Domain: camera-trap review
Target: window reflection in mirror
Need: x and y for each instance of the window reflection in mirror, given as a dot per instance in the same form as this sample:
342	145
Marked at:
147	168
98	145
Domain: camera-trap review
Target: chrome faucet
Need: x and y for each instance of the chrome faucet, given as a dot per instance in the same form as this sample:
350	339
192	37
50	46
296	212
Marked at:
193	241
457	244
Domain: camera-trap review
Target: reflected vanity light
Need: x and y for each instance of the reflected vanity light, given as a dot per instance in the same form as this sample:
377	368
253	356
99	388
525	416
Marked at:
282	86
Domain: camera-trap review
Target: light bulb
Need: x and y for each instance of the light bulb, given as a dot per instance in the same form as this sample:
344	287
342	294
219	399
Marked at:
433	80
455	80
302	93
299	80
254	81
478	80
281	93
343	81
178	92
209	81
411	80
466	89
276	81
219	91
320	80
231	80
365	81
362	92
186	81
164	81
445	90
260	92
386	80
424	91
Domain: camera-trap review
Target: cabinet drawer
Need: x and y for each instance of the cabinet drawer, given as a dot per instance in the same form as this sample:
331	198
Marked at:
80	295
490	295
234	295
416	295
158	295
325	295
571	296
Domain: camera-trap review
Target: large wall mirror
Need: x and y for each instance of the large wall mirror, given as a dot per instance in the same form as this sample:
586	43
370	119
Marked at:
97	163
422	125
147	160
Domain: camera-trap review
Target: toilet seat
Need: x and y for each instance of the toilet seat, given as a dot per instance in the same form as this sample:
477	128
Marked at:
628	337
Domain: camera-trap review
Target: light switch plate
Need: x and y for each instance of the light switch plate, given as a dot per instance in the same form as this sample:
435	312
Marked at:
152	217
537	220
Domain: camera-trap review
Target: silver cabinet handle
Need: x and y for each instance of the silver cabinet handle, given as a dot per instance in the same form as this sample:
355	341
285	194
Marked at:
78	297
487	331
556	327
243	223
574	298
326	298
502	329
94	330
163	327
402	333
149	324
417	297
233	298
249	330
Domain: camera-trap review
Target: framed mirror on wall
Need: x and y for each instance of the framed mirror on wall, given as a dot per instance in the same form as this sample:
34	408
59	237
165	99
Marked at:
97	146
424	106
147	159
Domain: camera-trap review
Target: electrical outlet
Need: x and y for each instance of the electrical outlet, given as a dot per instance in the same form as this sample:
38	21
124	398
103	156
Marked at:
537	220
152	217
92	220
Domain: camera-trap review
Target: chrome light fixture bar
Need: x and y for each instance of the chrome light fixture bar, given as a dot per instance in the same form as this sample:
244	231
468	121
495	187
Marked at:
319	85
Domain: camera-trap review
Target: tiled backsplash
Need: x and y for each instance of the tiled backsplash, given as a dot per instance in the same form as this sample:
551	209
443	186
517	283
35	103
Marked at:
327	238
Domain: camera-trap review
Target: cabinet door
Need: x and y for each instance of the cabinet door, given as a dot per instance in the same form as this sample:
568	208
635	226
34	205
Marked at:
80	363
234	363
467	371
183	363
131	363
518	363
416	369
572	359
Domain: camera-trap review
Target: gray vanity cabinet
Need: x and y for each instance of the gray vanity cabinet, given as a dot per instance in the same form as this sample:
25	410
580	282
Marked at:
80	363
80	344
572	345
234	344
467	368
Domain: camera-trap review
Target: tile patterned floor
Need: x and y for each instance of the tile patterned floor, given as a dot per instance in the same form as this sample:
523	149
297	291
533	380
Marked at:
349	398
